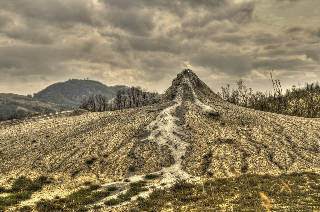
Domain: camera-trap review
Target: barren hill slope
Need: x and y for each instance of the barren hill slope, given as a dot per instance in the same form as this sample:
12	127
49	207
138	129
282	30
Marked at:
191	134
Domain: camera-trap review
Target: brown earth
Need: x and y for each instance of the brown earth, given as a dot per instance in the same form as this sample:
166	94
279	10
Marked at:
191	133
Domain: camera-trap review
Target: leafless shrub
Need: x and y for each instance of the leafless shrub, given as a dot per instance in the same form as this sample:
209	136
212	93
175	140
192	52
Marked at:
126	98
303	102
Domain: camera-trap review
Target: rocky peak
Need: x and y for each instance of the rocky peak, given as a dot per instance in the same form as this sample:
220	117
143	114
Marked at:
190	83
186	74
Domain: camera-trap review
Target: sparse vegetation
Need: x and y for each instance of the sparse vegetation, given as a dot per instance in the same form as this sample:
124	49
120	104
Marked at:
25	209
2	189
304	102
21	189
292	192
135	189
151	176
112	188
91	161
75	173
87	183
94	187
125	98
112	202
76	201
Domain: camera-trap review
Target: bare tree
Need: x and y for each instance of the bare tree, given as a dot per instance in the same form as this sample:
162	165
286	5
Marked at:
126	98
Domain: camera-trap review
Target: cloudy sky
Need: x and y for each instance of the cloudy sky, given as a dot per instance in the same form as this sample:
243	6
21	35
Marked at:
147	42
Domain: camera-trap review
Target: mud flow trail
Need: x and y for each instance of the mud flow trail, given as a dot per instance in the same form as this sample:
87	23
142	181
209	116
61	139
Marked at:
165	132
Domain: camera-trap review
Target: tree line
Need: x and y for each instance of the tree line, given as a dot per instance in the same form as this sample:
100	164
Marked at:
125	98
303	102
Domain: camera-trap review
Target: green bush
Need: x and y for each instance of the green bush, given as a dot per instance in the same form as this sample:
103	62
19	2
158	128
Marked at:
94	187
134	190
112	202
151	176
25	209
112	188
25	184
76	201
14	198
22	189
2	189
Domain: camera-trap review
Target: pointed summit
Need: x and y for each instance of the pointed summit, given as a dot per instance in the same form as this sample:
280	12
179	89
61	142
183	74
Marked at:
190	84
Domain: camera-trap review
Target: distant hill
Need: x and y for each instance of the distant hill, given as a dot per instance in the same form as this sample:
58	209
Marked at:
69	94
17	106
56	97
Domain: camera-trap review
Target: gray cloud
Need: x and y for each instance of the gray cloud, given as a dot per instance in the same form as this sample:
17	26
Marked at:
232	63
286	64
4	20
134	21
53	11
145	42
314	55
27	34
167	5
298	30
22	60
155	44
238	13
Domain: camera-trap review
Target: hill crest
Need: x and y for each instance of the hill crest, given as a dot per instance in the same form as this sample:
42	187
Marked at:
69	94
191	85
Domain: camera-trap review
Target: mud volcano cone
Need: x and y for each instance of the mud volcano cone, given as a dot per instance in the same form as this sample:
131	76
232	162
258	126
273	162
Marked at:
194	84
228	140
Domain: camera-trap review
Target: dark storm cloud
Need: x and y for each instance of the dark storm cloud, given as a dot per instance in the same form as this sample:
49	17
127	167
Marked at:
228	62
160	65
241	13
17	60
147	40
155	44
134	21
230	38
289	1
295	41
311	32
267	38
4	20
314	55
166	5
58	12
27	34
137	16
285	64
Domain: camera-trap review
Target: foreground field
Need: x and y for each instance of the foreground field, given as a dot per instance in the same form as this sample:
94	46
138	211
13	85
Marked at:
285	192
